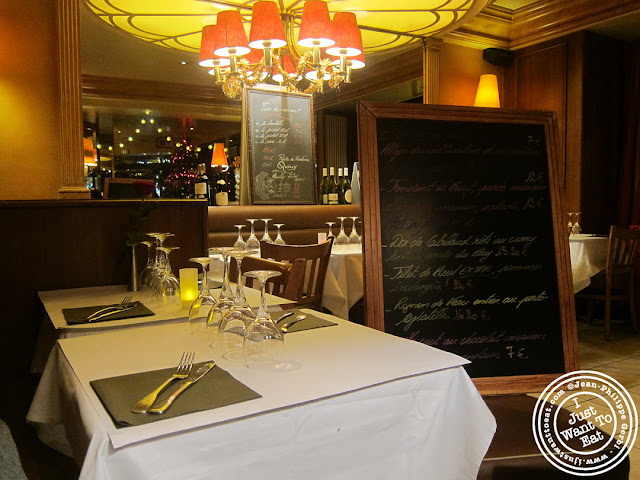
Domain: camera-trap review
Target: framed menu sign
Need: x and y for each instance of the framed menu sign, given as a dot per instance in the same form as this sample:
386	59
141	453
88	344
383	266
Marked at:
465	247
280	147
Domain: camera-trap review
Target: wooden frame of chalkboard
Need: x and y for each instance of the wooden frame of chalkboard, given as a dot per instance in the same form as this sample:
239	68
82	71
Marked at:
465	245
281	147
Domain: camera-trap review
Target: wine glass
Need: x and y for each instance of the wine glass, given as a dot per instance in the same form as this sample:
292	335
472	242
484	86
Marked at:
265	236
263	343
235	320
576	230
225	299
200	307
169	287
331	224
342	238
158	265
570	225
354	238
148	269
279	240
240	243
252	241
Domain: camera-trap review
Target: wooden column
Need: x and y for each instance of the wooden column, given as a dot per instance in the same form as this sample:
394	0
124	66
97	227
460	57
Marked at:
70	91
431	70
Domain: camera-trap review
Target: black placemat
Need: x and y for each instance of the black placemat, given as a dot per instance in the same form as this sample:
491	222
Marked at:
216	389
79	315
308	323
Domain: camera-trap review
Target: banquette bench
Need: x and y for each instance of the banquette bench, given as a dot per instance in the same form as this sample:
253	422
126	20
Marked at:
302	223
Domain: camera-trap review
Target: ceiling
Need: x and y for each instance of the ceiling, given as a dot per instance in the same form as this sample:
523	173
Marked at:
109	52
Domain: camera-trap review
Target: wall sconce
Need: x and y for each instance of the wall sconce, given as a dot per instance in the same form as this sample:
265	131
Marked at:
90	154
487	94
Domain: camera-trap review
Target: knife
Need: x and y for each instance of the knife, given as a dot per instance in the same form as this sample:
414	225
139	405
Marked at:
193	378
113	312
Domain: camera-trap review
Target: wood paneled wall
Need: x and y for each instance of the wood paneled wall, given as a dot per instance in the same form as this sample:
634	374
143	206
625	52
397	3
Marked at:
579	78
50	245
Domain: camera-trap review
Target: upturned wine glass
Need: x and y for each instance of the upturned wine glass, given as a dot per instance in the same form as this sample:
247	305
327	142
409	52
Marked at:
225	299
279	240
342	238
169	286
265	235
200	307
235	320
354	238
240	243
263	343
252	242
576	230
148	269
330	233
158	264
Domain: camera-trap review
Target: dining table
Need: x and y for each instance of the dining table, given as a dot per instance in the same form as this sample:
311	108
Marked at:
588	257
344	281
55	326
344	402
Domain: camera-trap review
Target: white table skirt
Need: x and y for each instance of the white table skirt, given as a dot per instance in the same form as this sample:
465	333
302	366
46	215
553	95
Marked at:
588	257
344	282
390	421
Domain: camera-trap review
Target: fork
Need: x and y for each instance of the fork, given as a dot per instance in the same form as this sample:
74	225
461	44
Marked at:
182	371
123	304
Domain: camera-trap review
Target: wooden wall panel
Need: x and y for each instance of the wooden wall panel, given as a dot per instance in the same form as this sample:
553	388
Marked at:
49	245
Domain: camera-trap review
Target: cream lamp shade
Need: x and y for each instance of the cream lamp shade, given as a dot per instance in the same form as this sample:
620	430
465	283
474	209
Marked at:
487	94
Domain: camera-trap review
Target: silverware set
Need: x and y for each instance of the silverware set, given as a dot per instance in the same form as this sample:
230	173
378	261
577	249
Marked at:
183	371
125	305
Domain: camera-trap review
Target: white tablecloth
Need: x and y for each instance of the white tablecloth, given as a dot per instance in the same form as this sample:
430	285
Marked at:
54	326
355	403
344	283
588	257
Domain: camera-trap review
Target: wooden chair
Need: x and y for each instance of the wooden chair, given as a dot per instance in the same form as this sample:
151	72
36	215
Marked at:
617	282
316	260
287	285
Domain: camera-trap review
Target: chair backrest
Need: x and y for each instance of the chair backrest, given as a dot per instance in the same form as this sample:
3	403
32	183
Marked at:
622	250
287	285
316	261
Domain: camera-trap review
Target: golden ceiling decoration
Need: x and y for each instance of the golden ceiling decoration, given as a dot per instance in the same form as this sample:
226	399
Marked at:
385	24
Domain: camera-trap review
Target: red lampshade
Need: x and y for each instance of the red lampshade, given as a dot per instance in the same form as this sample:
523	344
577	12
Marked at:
315	25
266	26
208	46
218	157
230	34
346	35
254	56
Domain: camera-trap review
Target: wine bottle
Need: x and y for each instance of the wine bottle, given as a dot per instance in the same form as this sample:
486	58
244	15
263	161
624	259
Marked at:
339	182
333	187
222	190
324	190
346	187
201	186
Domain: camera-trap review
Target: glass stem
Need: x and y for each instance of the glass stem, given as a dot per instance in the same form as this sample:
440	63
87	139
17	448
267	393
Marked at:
239	290
263	298
205	284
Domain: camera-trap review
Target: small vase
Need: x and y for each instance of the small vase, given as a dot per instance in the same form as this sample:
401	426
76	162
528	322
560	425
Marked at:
134	275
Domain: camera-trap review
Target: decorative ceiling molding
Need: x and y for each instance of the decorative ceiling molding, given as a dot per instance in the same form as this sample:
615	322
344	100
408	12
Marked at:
541	21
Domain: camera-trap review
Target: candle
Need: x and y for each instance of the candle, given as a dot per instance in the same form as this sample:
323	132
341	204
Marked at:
188	286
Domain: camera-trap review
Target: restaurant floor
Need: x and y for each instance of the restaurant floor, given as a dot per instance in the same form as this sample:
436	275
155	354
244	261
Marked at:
618	358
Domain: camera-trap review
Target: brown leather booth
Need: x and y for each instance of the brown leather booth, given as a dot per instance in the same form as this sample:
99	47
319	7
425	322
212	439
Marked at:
302	223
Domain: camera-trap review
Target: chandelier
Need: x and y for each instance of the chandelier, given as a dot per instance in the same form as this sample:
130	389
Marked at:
330	50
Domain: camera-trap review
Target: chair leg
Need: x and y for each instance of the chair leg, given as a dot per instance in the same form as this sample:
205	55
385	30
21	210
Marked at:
589	311
607	313
632	302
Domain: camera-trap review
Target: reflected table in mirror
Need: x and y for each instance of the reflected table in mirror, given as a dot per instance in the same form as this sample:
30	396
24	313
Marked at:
588	257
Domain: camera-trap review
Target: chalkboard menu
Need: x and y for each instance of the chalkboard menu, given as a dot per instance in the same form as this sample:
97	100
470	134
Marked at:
281	147
464	211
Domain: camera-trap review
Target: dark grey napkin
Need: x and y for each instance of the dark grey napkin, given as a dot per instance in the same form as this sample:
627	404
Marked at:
308	323
79	315
216	389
